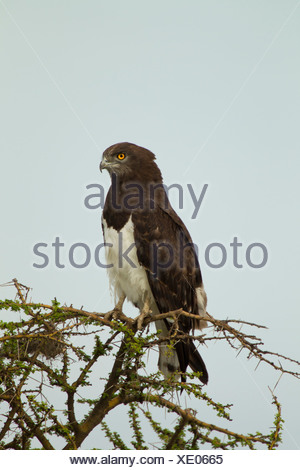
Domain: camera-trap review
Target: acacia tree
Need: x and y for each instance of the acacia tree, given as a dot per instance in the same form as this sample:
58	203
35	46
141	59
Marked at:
45	347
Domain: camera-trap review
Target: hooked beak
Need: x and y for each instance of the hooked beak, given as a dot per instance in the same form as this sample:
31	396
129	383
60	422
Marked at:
104	164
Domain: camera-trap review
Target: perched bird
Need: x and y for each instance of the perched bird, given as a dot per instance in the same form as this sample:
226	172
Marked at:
151	259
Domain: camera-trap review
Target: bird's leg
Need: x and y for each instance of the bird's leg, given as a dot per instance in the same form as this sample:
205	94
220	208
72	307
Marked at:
117	310
144	313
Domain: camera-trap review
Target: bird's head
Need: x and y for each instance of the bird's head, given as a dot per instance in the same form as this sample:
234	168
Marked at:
130	162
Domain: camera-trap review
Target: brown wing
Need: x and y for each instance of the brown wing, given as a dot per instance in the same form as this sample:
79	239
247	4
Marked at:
165	249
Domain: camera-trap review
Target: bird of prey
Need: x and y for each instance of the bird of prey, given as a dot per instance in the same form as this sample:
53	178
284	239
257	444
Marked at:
151	259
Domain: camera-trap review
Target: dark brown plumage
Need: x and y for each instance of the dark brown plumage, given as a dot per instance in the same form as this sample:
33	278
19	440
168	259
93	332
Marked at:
137	202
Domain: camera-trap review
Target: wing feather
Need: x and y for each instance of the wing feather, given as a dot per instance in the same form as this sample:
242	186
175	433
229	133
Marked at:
166	251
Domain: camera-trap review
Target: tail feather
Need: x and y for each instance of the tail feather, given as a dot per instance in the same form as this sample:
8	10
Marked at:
197	364
183	355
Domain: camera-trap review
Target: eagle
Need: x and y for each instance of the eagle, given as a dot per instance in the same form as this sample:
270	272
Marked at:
151	259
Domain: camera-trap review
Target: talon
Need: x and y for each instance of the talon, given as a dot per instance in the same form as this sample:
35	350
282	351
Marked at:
110	315
141	318
117	310
146	312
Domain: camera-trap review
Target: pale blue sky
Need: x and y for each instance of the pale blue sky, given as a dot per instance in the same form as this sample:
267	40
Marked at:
212	88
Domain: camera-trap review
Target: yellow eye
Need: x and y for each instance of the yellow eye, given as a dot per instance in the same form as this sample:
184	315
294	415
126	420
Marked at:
121	156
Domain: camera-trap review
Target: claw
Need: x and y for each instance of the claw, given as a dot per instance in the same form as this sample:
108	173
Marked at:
146	312
117	310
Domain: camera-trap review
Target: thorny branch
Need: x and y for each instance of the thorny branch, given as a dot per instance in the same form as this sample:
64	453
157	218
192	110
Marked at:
40	351
223	327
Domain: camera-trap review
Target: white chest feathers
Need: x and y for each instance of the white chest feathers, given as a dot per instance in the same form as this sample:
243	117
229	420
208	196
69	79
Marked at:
126	275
